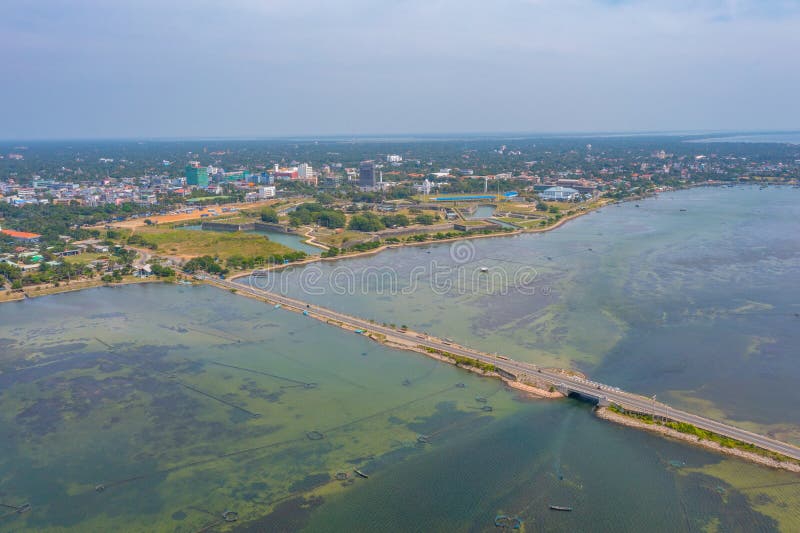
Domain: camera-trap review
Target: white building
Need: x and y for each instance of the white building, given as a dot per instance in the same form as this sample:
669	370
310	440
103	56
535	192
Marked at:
559	194
426	186
305	171
266	192
394	158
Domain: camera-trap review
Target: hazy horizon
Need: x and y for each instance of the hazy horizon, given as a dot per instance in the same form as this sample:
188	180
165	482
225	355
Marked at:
90	70
418	136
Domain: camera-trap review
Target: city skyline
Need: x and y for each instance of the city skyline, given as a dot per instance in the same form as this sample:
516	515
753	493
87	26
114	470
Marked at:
305	69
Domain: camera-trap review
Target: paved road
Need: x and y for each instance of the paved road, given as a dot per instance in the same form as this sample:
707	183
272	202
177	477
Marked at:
559	378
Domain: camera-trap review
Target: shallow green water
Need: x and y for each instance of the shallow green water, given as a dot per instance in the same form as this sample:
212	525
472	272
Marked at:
107	385
692	296
184	402
290	240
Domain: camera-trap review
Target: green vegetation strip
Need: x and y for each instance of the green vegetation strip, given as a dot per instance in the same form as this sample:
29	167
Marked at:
702	434
461	360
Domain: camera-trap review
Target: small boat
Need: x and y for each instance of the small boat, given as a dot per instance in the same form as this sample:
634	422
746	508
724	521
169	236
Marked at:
683	209
484	269
560	508
360	473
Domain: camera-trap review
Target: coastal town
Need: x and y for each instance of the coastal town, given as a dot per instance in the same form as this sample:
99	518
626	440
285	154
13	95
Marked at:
72	219
35	176
304	266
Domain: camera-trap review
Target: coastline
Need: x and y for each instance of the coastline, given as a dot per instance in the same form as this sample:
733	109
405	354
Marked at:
5	296
606	414
385	247
31	292
402	342
467	236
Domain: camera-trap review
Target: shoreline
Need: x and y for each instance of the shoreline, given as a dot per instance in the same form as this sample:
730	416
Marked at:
401	342
26	294
384	247
605	413
466	236
311	240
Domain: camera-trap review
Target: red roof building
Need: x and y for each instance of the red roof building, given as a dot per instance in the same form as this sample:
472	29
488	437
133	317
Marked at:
20	235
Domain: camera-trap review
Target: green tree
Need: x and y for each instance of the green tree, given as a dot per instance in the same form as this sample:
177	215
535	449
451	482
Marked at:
269	215
424	219
331	219
395	220
366	222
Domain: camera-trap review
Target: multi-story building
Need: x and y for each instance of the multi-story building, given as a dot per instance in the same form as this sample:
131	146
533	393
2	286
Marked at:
366	174
196	175
266	192
305	171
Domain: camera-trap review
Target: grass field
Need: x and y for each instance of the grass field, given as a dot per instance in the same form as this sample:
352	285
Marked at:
470	223
239	219
521	222
85	258
516	207
9	296
331	238
188	244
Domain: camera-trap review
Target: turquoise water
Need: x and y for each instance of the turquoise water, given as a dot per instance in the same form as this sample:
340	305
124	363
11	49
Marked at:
692	296
291	240
159	407
483	211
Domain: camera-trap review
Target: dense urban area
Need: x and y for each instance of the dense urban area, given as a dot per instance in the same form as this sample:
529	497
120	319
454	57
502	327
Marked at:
100	212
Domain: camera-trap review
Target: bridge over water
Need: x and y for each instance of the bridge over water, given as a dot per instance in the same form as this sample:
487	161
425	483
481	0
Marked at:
566	382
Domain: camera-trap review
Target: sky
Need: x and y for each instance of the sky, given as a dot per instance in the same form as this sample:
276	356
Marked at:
276	68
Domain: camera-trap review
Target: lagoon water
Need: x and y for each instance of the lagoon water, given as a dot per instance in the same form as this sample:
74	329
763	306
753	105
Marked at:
780	138
159	407
290	240
692	295
482	211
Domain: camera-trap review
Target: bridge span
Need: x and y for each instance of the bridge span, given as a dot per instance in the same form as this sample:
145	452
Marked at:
564	381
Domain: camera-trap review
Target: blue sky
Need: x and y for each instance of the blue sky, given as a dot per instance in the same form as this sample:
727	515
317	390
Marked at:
256	68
